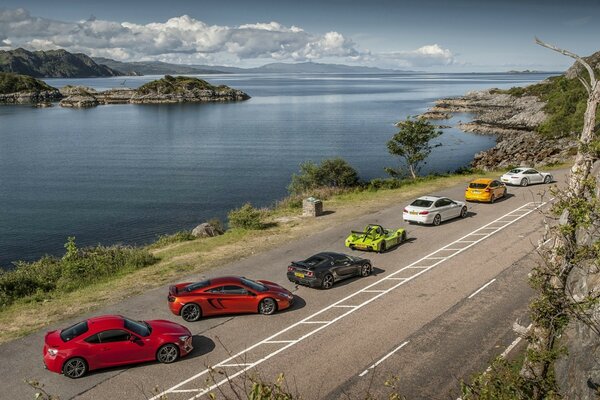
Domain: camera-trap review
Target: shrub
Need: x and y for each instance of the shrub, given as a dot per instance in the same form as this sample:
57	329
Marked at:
77	268
164	240
217	224
334	173
245	217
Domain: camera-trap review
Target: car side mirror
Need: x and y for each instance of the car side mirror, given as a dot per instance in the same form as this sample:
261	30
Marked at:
133	338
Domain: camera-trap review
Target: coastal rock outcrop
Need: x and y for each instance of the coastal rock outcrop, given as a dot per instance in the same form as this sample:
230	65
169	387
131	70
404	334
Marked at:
513	120
23	89
206	229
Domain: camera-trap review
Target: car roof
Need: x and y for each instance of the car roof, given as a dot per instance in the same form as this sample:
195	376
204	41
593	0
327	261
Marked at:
105	322
328	254
430	198
224	280
482	180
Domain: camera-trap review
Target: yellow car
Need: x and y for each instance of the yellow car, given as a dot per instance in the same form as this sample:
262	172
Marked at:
483	189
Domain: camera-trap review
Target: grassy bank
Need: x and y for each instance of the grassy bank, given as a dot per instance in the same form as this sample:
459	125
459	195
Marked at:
170	260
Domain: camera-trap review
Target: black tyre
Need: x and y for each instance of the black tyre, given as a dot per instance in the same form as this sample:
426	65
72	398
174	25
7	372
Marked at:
366	269
382	247
403	237
548	179
267	306
327	282
191	312
352	247
75	368
167	353
492	198
437	219
463	212
524	182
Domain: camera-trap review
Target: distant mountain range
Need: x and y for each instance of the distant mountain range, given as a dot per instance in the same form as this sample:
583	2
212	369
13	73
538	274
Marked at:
52	64
62	64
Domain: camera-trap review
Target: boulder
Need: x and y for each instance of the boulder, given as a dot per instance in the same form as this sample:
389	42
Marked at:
79	101
206	230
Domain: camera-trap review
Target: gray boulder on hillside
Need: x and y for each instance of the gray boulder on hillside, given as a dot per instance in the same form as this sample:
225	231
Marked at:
206	230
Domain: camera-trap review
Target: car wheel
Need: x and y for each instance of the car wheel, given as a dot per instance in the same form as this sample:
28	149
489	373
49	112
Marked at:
524	182
437	219
191	312
463	212
492	198
327	282
548	179
382	247
352	247
366	269
267	306
403	237
167	353
75	368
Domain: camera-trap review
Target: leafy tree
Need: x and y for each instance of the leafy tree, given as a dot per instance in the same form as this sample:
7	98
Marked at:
245	217
412	144
335	172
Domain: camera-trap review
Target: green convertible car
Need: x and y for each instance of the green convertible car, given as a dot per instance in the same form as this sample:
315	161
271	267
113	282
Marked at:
375	238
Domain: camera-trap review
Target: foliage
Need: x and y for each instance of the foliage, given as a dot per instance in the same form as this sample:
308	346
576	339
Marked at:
412	143
77	268
246	217
335	172
217	224
177	84
566	101
12	83
177	237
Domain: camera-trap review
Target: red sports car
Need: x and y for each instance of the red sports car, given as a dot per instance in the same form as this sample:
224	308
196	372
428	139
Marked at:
227	295
113	340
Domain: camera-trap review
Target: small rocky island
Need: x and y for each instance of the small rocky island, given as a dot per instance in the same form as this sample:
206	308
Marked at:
23	89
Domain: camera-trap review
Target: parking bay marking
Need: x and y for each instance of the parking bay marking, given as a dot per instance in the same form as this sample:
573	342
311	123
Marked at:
401	281
383	359
481	288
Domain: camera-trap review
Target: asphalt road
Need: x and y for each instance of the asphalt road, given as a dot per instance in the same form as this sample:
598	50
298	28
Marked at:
425	319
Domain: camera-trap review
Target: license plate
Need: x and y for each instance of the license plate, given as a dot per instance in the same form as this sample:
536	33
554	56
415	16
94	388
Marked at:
299	274
505	180
475	191
413	213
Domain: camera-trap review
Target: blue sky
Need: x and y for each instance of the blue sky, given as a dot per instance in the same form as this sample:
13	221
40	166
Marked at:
430	35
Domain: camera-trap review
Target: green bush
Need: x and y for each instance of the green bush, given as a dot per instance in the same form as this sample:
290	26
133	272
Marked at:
245	217
76	269
164	240
389	183
333	173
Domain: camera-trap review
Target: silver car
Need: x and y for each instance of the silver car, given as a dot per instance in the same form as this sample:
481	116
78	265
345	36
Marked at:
433	210
524	176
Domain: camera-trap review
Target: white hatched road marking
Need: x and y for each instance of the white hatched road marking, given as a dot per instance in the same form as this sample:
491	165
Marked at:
323	325
366	371
481	288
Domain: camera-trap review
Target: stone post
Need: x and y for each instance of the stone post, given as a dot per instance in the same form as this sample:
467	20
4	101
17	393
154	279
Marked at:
312	207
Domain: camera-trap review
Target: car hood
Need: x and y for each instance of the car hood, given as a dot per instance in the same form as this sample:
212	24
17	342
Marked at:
162	327
274	287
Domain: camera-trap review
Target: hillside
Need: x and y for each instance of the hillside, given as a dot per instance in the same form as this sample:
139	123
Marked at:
156	67
15	88
52	64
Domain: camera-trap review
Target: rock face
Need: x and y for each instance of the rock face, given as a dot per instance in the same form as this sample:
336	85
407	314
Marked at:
167	90
206	230
578	372
22	89
513	120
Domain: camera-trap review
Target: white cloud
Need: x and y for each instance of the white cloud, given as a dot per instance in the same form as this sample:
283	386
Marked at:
187	40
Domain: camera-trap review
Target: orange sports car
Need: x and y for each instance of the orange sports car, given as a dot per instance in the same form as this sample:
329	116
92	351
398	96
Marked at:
484	189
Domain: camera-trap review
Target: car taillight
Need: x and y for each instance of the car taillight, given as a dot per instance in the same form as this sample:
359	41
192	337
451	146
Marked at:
487	190
171	298
309	273
290	268
405	210
423	212
52	352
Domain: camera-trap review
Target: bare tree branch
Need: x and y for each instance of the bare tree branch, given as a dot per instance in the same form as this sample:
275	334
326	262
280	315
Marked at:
572	55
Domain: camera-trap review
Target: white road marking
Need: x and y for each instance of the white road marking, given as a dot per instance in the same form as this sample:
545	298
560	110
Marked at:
481	288
383	359
323	325
513	344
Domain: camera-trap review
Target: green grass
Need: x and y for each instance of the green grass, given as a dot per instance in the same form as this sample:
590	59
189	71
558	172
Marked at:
12	83
177	84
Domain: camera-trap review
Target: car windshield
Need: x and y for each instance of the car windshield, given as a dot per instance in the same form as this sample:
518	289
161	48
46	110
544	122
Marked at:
73	331
515	171
197	285
314	260
422	203
140	328
259	287
477	185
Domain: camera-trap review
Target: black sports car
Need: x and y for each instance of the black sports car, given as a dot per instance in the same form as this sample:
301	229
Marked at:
324	269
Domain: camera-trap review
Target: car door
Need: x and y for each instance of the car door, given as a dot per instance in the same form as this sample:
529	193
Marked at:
343	266
441	207
534	176
499	189
115	348
231	299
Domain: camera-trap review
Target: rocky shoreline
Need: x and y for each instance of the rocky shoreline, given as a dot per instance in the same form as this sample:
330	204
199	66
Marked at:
513	120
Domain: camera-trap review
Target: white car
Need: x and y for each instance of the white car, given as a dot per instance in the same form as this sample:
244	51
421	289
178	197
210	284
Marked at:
433	210
524	176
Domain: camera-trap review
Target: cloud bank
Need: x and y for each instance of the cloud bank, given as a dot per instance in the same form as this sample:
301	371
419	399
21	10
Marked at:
188	40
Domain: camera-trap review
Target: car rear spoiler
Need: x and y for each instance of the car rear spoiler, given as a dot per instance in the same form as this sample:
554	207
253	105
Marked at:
300	264
360	232
173	289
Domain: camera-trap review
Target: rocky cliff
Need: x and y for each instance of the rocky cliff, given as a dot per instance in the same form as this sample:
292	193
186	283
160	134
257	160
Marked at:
167	90
513	119
52	64
20	89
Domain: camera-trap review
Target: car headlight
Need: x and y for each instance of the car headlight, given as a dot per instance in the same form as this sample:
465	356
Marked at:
184	338
52	352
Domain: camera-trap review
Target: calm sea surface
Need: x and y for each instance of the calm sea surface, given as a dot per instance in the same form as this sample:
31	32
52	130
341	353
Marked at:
127	173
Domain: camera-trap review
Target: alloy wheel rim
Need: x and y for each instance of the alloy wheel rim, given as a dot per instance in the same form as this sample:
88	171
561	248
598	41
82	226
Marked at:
191	313
167	354
328	281
366	269
267	306
74	368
